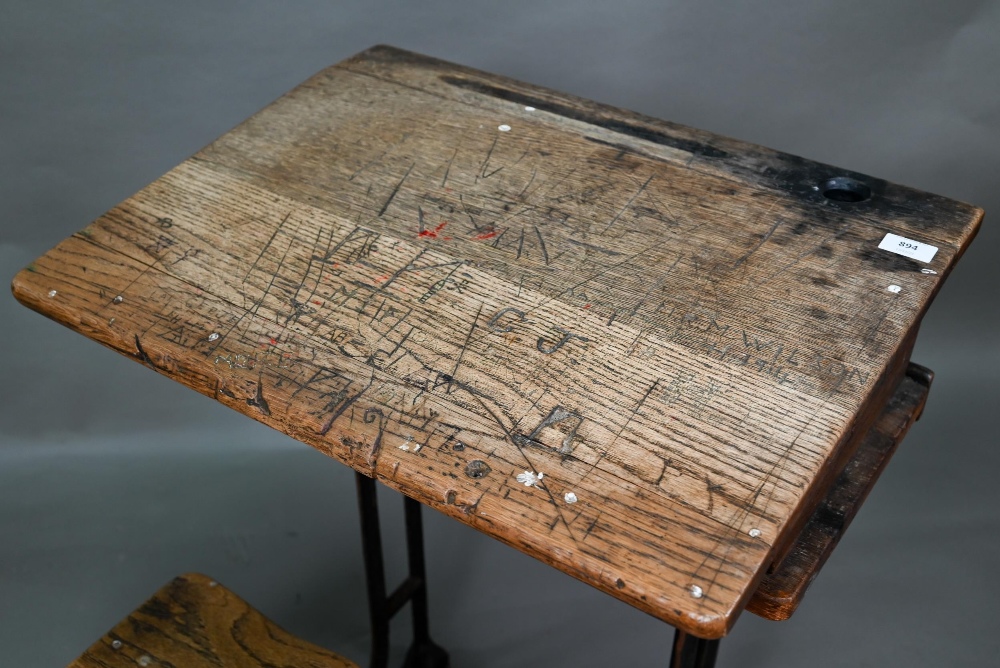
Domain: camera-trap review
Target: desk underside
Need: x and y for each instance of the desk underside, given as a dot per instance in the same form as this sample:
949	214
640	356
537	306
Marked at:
447	279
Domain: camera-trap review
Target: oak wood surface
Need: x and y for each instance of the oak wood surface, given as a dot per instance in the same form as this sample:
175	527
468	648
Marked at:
194	622
781	591
459	283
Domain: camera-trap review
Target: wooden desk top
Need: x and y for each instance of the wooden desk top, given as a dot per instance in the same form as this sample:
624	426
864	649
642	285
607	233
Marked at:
629	348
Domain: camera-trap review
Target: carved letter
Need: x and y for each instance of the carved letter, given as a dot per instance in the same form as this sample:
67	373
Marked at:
548	349
492	324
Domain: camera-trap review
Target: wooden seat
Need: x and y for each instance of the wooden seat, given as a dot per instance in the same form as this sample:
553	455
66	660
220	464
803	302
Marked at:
194	622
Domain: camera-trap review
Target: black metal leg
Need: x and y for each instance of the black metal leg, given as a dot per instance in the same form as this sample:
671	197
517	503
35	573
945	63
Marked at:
371	547
423	653
692	652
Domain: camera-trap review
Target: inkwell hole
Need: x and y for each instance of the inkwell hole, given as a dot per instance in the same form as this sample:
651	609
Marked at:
845	189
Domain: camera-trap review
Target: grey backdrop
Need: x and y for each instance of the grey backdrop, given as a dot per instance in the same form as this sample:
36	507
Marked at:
113	479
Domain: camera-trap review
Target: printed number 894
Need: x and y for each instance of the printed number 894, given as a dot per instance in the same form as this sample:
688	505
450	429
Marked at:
906	245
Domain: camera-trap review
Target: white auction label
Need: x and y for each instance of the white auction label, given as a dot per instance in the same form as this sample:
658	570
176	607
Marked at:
908	247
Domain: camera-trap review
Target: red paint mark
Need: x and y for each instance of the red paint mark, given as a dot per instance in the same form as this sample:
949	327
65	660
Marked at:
433	234
383	277
587	305
317	302
274	342
486	235
447	189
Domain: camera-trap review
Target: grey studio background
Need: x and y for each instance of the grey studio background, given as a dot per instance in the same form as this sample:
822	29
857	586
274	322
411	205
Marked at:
113	479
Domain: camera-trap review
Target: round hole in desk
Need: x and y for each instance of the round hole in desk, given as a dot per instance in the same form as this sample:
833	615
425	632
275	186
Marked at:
845	189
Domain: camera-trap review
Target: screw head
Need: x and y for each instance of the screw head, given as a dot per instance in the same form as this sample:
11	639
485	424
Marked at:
754	533
116	644
696	591
118	300
214	336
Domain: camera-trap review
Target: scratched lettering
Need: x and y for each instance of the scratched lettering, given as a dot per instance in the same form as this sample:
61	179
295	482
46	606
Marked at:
570	421
547	347
686	387
707	332
447	281
359	244
509	314
266	358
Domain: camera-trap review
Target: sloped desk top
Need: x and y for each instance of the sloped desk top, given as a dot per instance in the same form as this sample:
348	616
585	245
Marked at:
631	349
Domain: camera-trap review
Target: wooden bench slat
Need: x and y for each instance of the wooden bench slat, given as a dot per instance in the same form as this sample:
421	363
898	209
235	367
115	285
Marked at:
782	590
194	622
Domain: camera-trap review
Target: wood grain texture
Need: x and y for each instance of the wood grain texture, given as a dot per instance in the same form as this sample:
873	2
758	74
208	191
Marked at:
782	590
448	280
195	622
